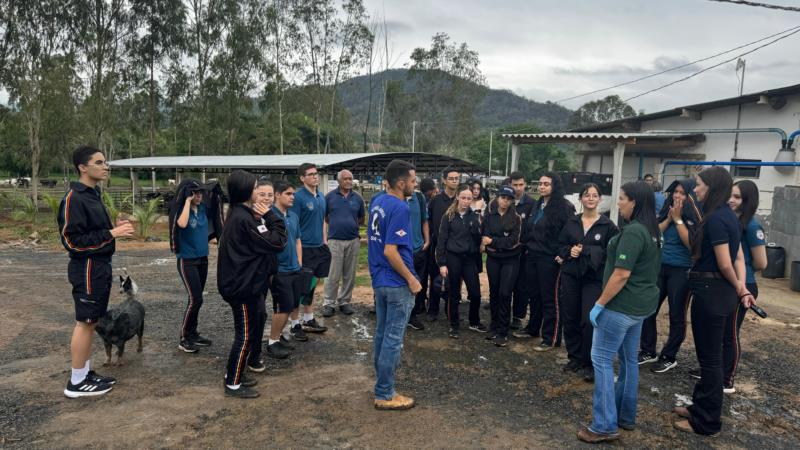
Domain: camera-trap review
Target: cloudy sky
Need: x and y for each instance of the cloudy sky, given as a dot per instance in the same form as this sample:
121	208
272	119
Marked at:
549	50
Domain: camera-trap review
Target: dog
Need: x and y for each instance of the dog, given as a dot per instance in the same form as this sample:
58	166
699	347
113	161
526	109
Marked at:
122	322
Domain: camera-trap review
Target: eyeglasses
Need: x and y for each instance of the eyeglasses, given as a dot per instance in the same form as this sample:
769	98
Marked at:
313	174
452	178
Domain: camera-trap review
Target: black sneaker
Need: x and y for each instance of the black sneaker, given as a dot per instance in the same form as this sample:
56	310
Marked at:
728	388
257	367
278	351
285	342
86	388
516	324
543	347
299	334
246	381
500	341
453	333
96	377
200	341
242	392
646	358
328	311
415	324
188	346
347	310
313	327
695	373
664	365
491	336
572	366
522	334
587	373
479	327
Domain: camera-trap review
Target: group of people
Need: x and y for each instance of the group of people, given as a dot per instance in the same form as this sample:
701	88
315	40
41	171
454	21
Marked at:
576	276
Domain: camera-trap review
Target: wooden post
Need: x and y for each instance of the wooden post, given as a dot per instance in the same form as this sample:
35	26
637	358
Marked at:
514	156
133	188
616	182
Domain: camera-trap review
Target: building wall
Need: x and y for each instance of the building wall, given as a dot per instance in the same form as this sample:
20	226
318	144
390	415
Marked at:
783	224
719	147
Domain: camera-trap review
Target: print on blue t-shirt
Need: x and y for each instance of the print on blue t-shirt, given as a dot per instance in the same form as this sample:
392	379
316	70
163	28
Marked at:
388	223
193	240
753	236
310	210
287	259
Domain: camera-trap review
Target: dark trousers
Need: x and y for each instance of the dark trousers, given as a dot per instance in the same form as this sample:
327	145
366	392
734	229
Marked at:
714	302
731	346
244	330
577	299
542	272
502	273
673	284
421	269
434	291
521	296
259	322
193	273
463	267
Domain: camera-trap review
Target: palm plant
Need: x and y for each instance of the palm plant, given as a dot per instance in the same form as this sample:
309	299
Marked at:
24	208
54	203
146	215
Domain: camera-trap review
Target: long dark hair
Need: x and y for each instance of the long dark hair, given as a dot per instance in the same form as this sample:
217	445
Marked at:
240	187
691	212
644	211
510	218
720	184
556	185
749	193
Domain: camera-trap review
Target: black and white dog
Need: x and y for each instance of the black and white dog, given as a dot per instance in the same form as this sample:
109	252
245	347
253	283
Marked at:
122	322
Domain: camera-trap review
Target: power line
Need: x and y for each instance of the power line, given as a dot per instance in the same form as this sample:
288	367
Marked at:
678	67
712	67
762	5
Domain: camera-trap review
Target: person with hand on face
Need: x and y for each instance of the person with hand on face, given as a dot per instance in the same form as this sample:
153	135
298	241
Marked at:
582	256
90	239
190	244
630	295
718	284
391	267
500	239
459	243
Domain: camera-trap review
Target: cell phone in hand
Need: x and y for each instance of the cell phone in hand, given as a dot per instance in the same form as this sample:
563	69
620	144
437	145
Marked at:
758	310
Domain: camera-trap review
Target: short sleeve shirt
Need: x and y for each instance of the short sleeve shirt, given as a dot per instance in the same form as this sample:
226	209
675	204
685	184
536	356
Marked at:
287	259
720	227
753	237
389	222
674	253
636	250
193	240
310	209
418	212
343	214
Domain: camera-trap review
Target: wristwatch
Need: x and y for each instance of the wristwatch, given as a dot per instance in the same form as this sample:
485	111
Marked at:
679	222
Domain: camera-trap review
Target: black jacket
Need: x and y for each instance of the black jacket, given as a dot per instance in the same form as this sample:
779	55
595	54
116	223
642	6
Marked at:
84	223
246	248
436	209
589	265
212	199
541	238
462	235
505	239
525	206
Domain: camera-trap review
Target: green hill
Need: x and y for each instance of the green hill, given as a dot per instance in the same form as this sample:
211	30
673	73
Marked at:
498	107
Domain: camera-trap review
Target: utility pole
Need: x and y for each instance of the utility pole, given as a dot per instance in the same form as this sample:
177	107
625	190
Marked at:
491	135
508	150
740	64
413	134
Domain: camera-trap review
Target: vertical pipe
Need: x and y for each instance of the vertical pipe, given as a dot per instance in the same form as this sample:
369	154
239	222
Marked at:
616	182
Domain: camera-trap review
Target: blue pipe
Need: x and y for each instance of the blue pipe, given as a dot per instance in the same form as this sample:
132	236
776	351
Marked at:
732	163
791	138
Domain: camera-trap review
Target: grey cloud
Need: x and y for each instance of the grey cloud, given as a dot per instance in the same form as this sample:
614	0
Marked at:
659	64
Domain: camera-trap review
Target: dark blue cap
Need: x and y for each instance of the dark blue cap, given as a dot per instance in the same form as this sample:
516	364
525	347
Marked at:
507	191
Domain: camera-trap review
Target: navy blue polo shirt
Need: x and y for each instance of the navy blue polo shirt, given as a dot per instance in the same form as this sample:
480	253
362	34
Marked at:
720	227
343	214
753	237
389	223
193	240
310	209
287	259
418	210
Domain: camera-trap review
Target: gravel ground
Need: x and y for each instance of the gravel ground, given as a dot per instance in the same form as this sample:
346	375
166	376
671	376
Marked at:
470	394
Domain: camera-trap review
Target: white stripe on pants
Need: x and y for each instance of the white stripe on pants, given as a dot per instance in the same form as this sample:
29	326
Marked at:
344	261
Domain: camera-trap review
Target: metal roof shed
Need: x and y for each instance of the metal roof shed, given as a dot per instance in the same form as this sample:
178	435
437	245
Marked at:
618	141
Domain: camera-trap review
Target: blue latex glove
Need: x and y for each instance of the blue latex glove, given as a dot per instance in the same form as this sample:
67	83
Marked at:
595	313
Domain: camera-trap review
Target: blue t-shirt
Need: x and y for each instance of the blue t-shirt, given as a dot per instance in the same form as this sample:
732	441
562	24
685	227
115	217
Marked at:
753	237
389	223
720	227
673	252
374	197
419	213
287	259
310	209
660	199
343	214
193	240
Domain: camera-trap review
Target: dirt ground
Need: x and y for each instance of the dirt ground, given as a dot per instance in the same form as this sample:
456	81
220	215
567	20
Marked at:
470	394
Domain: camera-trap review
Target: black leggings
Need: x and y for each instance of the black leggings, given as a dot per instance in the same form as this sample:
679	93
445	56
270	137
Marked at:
244	335
542	272
731	346
193	273
577	299
502	273
259	321
673	284
463	267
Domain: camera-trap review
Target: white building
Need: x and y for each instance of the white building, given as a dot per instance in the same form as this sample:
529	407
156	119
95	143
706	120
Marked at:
775	108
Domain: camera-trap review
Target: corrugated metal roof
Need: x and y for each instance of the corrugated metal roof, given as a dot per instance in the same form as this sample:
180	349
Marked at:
566	136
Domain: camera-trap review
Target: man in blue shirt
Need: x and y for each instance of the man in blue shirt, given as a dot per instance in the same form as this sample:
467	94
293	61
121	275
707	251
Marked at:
344	213
391	266
309	205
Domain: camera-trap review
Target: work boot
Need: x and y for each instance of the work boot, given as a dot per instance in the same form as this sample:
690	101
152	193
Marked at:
397	403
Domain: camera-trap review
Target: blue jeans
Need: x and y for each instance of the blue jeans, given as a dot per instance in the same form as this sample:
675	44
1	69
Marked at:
393	306
614	404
